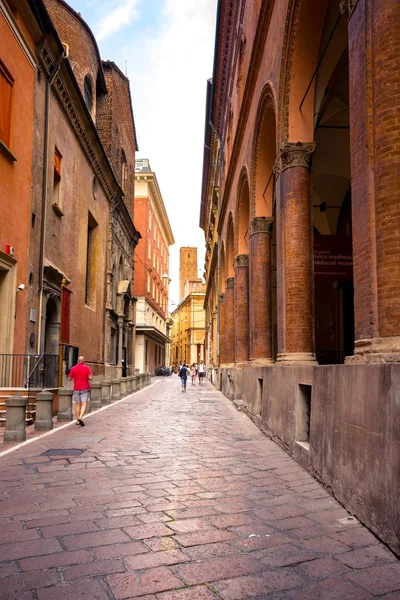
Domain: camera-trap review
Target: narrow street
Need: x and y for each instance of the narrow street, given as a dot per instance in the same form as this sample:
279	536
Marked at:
174	496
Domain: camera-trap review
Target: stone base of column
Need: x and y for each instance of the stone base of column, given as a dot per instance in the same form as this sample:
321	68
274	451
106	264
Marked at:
296	358
376	350
261	362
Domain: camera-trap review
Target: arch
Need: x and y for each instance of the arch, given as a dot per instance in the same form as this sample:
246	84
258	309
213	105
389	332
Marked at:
230	248
264	154
243	213
301	50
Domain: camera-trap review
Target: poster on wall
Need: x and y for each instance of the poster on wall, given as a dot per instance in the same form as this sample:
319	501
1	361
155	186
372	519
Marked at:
333	257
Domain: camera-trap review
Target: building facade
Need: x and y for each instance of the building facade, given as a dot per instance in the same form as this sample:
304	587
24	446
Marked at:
20	31
300	212
188	318
151	271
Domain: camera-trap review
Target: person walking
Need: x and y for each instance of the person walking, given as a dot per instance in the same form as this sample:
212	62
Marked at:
202	372
183	373
82	376
193	373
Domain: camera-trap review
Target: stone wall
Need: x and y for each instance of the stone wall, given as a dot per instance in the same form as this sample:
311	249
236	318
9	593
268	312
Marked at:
352	442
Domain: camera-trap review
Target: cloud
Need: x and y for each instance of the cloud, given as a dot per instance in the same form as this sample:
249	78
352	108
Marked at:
119	17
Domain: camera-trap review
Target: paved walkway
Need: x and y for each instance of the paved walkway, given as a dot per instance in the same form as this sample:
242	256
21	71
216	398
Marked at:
177	497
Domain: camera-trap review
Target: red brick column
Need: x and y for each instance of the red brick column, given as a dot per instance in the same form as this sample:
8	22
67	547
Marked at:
295	299
241	314
229	320
260	289
374	64
222	327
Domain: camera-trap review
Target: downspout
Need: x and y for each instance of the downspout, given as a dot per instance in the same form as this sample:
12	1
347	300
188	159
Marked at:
49	82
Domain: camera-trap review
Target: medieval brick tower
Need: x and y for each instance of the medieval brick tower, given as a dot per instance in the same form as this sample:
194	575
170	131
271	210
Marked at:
187	267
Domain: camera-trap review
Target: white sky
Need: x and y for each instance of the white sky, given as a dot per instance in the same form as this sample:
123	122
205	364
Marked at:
167	47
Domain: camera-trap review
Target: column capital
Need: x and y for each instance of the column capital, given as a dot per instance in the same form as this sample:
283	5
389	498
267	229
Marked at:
294	154
230	283
347	7
261	225
241	260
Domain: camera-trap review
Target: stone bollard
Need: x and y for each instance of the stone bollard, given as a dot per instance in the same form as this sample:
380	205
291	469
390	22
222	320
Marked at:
134	384
129	385
139	382
148	378
64	405
44	410
105	392
123	387
95	395
115	390
15	419
137	372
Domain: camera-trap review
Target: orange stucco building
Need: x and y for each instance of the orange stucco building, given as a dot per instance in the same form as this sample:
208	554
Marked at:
19	33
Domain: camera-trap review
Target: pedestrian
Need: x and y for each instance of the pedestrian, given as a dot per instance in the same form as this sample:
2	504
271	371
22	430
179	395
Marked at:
183	373
202	372
193	373
82	376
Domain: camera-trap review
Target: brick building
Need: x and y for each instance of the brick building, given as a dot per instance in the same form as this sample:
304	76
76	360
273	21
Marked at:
300	209
188	318
151	271
79	216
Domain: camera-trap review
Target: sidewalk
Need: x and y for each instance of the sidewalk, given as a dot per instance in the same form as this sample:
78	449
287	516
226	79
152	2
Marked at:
177	496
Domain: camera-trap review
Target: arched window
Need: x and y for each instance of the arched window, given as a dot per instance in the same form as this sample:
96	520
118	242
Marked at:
124	172
87	85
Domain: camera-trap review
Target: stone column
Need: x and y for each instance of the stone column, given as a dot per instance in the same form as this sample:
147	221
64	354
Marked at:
115	389
241	312
95	395
120	334
123	387
15	419
295	257
374	64
260	289
44	411
65	405
134	384
229	320
129	385
222	326
105	392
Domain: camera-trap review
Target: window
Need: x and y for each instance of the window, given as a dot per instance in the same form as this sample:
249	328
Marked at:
91	260
88	92
124	172
149	251
57	181
150	221
6	85
148	284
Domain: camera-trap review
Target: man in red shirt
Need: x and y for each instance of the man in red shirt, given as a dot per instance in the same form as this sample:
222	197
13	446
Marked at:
82	375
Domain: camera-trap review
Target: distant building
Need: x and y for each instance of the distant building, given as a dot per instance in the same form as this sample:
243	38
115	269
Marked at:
187	267
151	271
188	329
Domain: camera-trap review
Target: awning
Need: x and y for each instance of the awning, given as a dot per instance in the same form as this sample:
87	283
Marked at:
153	333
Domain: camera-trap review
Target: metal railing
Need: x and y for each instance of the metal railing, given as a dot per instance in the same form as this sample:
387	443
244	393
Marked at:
29	370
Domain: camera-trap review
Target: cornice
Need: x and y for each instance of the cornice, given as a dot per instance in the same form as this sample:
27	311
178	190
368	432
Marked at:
254	67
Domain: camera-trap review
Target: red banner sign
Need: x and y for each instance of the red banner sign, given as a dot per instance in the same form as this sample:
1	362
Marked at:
333	257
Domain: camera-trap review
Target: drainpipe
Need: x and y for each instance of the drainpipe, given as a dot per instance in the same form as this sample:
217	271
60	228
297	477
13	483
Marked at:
49	82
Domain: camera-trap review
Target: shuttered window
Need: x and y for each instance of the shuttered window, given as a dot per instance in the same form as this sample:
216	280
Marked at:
6	85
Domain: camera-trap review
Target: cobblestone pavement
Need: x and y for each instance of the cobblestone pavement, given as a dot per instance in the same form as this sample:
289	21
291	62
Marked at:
177	497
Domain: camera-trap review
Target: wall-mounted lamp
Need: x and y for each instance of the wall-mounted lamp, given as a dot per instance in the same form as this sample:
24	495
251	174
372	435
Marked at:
21	287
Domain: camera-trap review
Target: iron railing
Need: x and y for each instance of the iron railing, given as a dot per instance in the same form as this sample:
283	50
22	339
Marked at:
29	370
